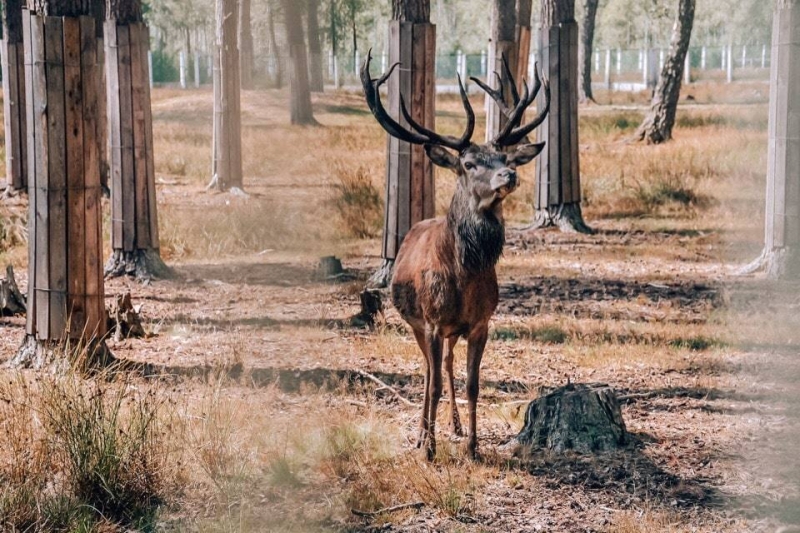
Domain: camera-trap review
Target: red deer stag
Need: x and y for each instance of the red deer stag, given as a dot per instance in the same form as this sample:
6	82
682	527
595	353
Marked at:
444	283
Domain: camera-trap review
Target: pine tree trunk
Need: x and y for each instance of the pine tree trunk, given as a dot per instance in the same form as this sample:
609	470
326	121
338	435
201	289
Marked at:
657	126
134	211
558	190
314	47
227	142
12	53
246	58
275	56
65	271
410	191
99	14
502	45
301	112
586	50
781	256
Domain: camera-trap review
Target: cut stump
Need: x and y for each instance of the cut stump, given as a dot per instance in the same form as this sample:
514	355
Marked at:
124	319
12	302
584	418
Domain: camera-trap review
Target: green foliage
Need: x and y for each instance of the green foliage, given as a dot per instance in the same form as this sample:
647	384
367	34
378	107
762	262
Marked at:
165	69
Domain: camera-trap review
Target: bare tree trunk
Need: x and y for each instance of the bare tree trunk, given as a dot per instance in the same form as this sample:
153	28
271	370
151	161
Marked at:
65	270
587	44
781	256
301	111
246	58
227	165
502	45
314	47
12	53
558	191
275	56
657	126
134	212
410	191
99	14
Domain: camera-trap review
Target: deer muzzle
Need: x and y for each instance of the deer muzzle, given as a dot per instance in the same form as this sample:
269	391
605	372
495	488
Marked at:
504	182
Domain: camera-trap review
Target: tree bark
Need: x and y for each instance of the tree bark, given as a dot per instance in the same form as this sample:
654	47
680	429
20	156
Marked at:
13	66
227	133
134	212
99	14
781	256
65	272
275	56
410	190
558	190
314	47
301	112
503	44
246	59
657	126
586	50
522	36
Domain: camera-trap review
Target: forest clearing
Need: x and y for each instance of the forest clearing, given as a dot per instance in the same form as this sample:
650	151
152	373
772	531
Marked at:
267	409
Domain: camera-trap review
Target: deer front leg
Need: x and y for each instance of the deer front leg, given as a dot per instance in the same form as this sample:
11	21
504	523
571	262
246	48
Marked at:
455	420
423	423
434	343
476	343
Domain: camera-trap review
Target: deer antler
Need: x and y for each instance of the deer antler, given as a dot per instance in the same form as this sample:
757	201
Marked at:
512	133
420	134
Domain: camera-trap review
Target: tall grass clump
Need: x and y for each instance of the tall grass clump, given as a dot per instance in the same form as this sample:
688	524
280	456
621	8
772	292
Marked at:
357	202
77	453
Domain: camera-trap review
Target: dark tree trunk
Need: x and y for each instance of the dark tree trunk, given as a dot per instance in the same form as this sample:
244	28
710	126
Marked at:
781	256
13	66
502	45
227	133
587	45
275	56
410	190
99	14
314	47
558	190
657	126
65	271
246	45
300	109
134	212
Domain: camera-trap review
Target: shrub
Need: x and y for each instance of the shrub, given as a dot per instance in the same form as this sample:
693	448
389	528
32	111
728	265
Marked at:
358	202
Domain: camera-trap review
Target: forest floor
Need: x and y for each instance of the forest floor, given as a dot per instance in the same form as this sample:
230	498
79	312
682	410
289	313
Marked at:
274	427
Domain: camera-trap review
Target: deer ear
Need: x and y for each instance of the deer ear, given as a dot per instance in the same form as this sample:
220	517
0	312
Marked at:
524	154
441	157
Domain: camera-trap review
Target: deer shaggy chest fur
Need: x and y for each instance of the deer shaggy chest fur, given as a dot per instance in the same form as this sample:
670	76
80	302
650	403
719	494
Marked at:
444	283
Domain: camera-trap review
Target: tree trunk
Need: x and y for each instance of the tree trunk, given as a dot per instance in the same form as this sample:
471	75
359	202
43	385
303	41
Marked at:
13	65
301	111
246	59
410	192
275	56
227	164
502	45
134	212
314	47
781	256
582	418
587	44
65	271
99	14
657	126
558	190
522	36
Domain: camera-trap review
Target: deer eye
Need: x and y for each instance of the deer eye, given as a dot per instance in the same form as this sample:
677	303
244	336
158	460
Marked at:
469	166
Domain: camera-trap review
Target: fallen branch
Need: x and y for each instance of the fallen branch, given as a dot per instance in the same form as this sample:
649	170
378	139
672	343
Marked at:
387	387
373	514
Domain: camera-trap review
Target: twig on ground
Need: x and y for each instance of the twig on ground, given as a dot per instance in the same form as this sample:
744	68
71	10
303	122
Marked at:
372	514
387	387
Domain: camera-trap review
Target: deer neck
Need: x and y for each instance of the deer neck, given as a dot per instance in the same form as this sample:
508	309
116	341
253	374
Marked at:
478	235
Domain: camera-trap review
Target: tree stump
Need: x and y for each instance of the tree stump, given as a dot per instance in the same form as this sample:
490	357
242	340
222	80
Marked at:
578	417
124	319
12	302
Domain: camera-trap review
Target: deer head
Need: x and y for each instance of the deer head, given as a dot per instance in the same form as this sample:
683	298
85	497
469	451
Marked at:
486	172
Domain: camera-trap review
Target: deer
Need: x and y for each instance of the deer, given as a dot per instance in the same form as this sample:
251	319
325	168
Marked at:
444	282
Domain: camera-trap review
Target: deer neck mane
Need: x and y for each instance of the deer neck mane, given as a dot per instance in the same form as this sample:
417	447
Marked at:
478	236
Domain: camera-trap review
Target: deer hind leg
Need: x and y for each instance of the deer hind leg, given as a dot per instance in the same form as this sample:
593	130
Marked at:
435	343
476	345
423	423
455	419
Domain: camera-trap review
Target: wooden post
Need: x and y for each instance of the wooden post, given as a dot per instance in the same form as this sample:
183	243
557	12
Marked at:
134	215
728	51
65	288
558	189
607	75
182	68
410	195
12	53
227	149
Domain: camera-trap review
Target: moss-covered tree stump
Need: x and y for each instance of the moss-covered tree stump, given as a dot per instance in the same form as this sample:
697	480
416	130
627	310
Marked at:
577	417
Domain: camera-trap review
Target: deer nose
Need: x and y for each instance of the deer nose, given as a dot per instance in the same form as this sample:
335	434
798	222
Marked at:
506	178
